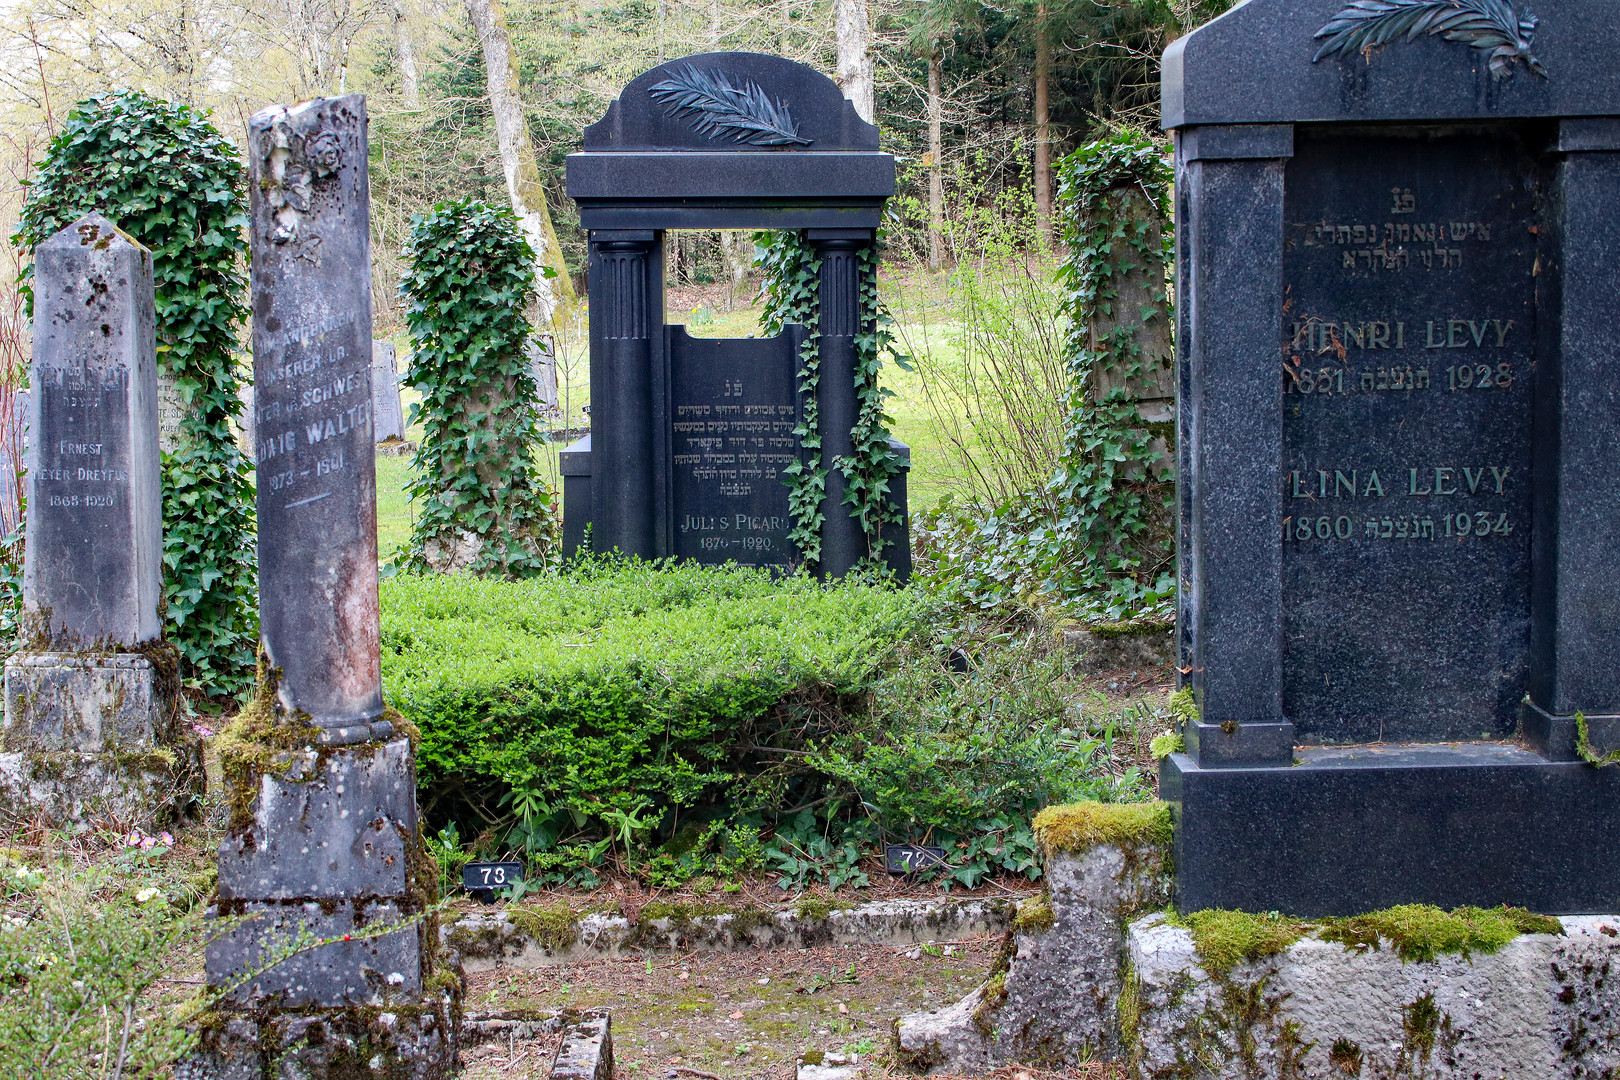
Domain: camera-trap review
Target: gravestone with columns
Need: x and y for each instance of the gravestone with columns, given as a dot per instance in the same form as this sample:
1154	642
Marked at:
690	437
1400	513
90	727
329	957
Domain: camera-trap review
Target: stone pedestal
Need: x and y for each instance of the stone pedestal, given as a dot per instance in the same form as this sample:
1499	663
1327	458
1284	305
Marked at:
329	954
90	738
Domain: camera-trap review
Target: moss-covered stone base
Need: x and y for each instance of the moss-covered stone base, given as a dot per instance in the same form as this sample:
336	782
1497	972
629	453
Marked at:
393	1043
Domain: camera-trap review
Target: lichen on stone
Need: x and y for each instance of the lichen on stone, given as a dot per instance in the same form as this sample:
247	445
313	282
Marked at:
1074	827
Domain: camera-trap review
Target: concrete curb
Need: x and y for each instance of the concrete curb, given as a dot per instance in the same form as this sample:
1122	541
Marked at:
498	939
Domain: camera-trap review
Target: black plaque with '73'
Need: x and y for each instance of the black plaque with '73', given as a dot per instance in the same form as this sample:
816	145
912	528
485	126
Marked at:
1407	386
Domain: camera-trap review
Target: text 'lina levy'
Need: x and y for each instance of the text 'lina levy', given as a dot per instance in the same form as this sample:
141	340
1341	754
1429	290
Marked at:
1436	480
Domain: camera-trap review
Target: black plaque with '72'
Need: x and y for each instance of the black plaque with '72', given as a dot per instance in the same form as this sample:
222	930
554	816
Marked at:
734	410
1409	333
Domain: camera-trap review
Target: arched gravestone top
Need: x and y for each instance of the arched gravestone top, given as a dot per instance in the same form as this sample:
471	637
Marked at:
763	142
1255	65
737	88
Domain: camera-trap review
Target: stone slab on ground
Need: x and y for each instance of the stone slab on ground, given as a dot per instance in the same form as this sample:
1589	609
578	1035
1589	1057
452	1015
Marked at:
497	939
1053	996
1146	646
586	1052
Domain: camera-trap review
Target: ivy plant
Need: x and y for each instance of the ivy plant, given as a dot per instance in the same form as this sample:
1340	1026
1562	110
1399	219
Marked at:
1105	538
791	290
167	176
481	505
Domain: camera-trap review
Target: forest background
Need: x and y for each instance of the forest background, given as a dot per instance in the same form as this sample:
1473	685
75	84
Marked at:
975	99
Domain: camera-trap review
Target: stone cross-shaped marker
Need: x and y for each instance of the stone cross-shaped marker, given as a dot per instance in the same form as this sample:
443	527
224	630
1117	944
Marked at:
336	952
92	574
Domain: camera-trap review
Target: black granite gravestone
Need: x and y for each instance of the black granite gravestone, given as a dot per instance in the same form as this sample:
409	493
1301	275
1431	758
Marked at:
1400	528
719	141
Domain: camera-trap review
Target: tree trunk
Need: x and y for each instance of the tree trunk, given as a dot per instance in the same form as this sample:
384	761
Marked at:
936	174
1043	126
408	82
517	157
855	57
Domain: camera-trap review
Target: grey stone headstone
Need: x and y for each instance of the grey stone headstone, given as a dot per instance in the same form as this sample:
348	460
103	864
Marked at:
389	412
93	568
316	467
329	847
542	354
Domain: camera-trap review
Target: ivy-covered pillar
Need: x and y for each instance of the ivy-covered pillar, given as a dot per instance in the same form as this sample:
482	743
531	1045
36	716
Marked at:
842	541
626	305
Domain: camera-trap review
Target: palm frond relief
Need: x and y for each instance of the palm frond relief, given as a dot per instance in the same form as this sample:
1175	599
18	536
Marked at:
716	108
1487	25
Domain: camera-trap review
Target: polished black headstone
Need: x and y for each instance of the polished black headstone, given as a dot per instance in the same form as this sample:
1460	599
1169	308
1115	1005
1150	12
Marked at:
1402	542
1409	337
735	406
719	140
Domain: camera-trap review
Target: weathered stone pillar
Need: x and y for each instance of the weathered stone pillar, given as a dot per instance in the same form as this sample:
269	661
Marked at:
625	308
333	965
89	711
842	542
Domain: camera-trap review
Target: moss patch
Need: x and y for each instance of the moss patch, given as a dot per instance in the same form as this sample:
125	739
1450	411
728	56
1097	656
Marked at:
1225	939
1034	916
1422	932
1078	826
555	927
1417	932
817	910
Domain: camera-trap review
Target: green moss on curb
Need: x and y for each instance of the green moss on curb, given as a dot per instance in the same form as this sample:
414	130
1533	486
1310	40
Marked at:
1225	939
1077	826
554	927
1420	932
1416	932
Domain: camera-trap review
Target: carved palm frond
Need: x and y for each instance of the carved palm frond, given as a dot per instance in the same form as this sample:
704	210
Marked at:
1488	25
714	107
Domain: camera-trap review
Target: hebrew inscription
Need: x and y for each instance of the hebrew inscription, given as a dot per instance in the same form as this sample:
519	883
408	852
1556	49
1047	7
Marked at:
1407	376
735	408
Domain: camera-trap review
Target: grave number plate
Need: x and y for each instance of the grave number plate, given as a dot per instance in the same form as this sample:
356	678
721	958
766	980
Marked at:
489	876
909	858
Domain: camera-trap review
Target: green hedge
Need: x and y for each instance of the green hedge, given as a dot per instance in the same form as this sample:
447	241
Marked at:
613	683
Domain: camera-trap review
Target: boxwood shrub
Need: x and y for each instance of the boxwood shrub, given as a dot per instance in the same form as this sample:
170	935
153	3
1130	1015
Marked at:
615	683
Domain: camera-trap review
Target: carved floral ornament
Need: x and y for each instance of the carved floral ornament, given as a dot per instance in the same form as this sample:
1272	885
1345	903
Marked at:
292	164
1490	26
715	106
